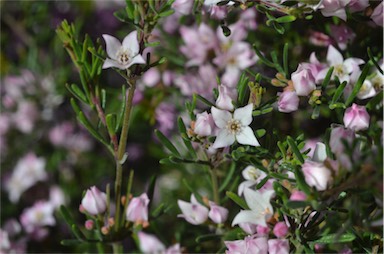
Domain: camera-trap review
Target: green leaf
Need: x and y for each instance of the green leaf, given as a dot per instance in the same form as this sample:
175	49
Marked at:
358	84
208	237
111	123
228	177
66	215
167	161
205	101
375	101
71	242
301	183
262	112
77	232
122	108
374	61
260	133
335	238
242	88
103	98
196	194
276	62
84	121
187	142
285	58
279	28
295	149
262	57
337	105
75	107
168	144
286	19
316	112
296	204
166	13
76	91
151	189
235	198
339	91
327	78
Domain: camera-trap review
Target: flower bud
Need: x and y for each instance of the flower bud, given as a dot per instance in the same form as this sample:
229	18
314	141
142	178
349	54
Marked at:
193	212
298	196
204	125
226	95
303	81
249	228
356	118
288	102
316	175
89	224
280	229
217	214
137	210
337	135
94	201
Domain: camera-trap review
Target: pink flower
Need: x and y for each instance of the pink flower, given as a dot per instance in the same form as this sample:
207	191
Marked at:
193	212
319	39
288	102
298	196
37	216
342	35
303	81
356	118
278	246
151	77
316	175
334	8
217	214
89	224
226	96
204	125
150	244
183	6
250	245
94	201
122	55
137	210
280	229
234	127
338	134
25	117
377	15
249	228
358	5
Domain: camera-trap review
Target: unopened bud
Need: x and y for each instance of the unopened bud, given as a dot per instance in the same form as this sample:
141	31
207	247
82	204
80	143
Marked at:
111	221
123	199
89	224
105	230
81	209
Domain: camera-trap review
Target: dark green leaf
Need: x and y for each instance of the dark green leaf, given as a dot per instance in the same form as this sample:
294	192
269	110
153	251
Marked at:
209	237
235	198
339	91
327	78
168	144
228	177
301	183
262	57
296	204
358	85
295	149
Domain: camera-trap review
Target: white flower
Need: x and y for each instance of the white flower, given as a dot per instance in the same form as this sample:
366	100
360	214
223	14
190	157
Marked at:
261	208
234	127
123	55
193	212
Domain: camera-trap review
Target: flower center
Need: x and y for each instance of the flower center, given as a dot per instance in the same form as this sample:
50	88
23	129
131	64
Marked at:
254	174
233	126
123	56
340	70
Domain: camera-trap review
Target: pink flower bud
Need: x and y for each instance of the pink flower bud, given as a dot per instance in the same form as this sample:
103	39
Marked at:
226	95
280	229
150	244
217	214
151	77
94	201
89	224
278	246
137	210
377	15
249	228
261	230
337	135
288	102
193	212
204	124
183	6
298	196
303	81
316	175
356	118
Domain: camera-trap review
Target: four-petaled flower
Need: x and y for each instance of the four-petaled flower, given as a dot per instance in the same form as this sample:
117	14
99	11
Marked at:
234	127
122	55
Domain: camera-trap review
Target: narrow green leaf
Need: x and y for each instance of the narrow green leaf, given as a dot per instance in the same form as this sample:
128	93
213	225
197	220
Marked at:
262	112
316	112
276	62
205	101
84	121
66	215
168	144
75	107
166	13
286	19
335	238
76	91
167	161
122	108
282	149
151	189
337	105
262	182
111	123
71	242
285	58
358	85
279	28
339	91
242	88
228	177
260	133
77	232
375	101
295	149
301	183
235	198
198	197
296	204
262	57
209	237
374	61
187	142
327	78
103	98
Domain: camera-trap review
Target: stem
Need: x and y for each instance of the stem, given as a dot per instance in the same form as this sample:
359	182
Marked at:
117	248
215	187
121	152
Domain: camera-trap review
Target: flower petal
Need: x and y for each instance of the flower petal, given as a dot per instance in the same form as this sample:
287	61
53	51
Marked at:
108	63
244	115
320	153
112	44
334	57
130	42
257	201
220	117
247	137
138	59
223	139
250	217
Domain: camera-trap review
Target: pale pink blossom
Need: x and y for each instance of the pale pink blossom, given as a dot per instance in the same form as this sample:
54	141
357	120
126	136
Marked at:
252	177
89	224
298	196
310	145
330	8
137	210
56	196
278	246
316	175
37	216
260	211
25	117
225	98
249	228
319	39
356	118
320	152
94	201
358	5
150	244
338	134
122	55
303	80
342	35
367	90
4	241
288	102
204	125
250	245
280	229
183	6
217	214
193	212
234	127
377	15
151	77
165	114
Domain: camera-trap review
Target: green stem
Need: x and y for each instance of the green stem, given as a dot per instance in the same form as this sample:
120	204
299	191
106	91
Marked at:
215	186
117	248
121	152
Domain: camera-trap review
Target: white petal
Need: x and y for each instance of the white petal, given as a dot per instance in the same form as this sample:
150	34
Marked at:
257	201
334	57
247	137
113	45
353	63
220	117
320	153
130	42
108	63
250	217
136	60
244	115
223	139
